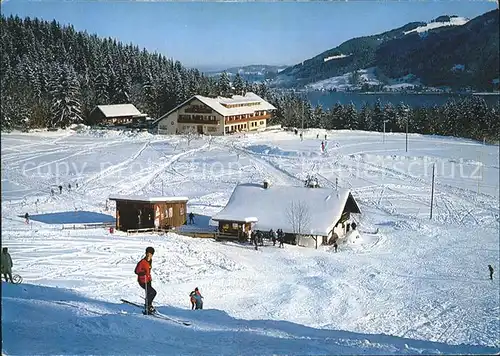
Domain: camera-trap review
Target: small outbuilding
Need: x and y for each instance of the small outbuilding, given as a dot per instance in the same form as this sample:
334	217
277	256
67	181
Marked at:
140	212
117	114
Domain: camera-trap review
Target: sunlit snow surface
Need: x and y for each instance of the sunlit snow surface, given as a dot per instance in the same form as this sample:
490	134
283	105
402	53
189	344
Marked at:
408	284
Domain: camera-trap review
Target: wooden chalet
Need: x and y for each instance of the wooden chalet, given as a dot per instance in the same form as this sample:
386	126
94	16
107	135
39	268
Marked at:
139	212
119	114
216	116
320	212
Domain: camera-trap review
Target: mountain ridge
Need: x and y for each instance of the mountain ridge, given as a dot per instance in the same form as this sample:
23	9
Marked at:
391	54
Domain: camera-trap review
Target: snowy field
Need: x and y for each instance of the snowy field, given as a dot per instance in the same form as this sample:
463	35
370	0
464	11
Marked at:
409	285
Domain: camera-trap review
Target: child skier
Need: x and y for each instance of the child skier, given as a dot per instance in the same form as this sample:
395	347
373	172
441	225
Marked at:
198	299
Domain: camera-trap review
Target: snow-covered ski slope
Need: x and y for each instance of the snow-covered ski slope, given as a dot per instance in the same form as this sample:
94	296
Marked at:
408	285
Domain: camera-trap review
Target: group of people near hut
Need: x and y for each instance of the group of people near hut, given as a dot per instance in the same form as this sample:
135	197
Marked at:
256	237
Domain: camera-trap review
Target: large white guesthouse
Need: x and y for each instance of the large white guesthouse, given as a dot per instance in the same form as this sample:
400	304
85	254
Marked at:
216	116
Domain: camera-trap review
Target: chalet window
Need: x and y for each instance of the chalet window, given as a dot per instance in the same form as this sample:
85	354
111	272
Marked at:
235	226
181	210
170	212
262	122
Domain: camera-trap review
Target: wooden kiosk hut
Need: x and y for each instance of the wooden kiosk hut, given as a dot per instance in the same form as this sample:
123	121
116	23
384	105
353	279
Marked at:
140	212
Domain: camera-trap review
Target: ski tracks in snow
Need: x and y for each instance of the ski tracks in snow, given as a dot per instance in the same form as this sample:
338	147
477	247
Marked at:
115	167
280	175
150	175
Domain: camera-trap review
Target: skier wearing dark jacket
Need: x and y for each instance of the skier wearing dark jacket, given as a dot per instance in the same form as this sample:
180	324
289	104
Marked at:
143	271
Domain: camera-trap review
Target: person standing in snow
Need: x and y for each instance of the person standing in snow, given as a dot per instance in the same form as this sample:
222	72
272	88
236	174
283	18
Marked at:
27	218
6	265
281	238
191	218
192	299
60	189
51	192
490	267
143	271
198	299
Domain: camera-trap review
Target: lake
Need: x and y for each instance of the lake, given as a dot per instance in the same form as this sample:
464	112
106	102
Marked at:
328	99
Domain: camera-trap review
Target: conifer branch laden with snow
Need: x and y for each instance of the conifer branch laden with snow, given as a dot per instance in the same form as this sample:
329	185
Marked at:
65	92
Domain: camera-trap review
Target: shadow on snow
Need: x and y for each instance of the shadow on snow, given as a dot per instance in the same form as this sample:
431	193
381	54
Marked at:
73	217
47	320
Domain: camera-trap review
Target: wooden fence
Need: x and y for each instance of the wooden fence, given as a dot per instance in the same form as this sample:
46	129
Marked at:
216	235
87	226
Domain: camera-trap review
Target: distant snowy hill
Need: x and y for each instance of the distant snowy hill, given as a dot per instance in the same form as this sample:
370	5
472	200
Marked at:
425	51
440	22
251	73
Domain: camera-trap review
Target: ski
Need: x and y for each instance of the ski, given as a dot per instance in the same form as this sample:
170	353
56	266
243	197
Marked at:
166	317
158	314
132	303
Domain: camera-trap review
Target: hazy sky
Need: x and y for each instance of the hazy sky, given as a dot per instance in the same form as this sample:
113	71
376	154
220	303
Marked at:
222	34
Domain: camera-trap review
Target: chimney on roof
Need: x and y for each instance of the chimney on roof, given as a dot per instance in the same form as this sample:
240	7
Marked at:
266	184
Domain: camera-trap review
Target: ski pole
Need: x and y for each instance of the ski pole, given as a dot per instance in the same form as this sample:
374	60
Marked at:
146	297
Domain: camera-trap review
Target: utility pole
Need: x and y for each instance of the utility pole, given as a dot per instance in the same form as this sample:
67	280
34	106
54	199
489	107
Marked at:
480	170
432	189
406	113
383	137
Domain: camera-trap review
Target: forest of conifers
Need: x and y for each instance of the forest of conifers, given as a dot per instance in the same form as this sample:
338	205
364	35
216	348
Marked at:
53	76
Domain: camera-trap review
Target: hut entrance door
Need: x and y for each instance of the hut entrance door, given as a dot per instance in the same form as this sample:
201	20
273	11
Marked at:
200	129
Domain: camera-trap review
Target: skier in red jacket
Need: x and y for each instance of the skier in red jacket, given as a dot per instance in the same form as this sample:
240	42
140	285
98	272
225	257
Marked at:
143	271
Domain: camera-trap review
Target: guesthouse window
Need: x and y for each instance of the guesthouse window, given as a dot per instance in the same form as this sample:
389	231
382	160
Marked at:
170	212
181	210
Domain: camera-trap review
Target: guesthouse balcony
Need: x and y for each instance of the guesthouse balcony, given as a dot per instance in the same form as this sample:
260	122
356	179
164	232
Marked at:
250	118
197	121
198	110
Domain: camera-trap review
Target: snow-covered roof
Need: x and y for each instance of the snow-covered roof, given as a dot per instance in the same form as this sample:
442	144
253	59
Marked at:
147	199
270	206
216	104
118	110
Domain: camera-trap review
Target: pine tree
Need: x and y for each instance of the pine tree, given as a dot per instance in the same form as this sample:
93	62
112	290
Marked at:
350	116
224	85
402	117
365	118
239	85
65	92
122	88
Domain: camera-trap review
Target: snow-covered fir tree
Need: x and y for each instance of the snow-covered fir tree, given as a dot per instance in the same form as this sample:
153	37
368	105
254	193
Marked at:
65	94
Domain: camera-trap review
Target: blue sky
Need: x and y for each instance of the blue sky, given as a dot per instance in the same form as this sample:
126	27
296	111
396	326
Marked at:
222	34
